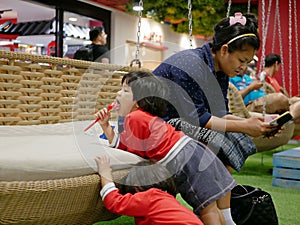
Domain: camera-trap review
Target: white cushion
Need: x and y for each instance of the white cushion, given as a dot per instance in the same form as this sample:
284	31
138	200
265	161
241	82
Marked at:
53	151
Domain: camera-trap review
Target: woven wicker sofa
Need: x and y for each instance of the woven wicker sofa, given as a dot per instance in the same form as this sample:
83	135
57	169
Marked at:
37	91
238	108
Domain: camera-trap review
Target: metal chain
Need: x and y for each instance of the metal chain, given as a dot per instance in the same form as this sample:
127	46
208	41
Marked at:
138	34
228	8
290	48
297	50
138	31
190	22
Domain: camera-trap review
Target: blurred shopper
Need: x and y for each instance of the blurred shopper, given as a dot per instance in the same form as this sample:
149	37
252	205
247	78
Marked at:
97	51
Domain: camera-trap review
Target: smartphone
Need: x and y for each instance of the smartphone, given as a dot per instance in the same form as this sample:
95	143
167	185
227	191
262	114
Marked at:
279	121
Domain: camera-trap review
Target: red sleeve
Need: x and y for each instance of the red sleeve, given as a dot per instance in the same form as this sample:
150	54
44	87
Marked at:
147	136
128	204
274	83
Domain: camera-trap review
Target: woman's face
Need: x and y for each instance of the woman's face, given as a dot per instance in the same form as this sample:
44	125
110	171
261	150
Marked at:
124	99
236	62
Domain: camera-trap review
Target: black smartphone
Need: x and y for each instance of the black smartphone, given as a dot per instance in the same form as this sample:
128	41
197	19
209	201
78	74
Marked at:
279	121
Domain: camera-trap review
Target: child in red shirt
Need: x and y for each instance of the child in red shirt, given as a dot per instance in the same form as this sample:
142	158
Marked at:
148	200
201	178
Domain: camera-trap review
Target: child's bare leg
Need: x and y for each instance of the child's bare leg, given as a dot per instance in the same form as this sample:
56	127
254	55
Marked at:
224	202
211	215
224	205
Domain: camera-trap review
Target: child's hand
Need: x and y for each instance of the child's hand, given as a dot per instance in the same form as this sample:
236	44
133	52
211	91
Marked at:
103	115
104	169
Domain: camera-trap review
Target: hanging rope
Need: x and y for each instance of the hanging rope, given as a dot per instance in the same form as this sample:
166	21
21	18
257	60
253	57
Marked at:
248	7
297	47
190	23
262	58
136	60
274	32
290	47
228	8
265	26
280	43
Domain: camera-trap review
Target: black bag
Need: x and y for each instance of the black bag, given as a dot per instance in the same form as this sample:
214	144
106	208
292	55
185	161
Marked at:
252	206
85	53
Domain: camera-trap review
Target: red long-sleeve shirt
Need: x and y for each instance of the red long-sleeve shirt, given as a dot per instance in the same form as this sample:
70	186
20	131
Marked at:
153	207
147	136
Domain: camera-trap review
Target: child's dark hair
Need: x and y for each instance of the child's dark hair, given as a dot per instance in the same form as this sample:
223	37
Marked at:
148	174
224	32
149	91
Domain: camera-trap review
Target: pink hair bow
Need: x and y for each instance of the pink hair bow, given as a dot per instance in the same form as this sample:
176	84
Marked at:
238	18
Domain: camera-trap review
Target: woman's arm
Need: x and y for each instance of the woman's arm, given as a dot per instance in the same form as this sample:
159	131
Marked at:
254	126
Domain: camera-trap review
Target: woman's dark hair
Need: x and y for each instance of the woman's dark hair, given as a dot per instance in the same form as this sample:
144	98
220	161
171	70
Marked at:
224	32
148	91
148	174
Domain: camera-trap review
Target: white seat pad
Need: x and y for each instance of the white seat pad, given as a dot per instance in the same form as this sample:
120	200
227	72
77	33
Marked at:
53	151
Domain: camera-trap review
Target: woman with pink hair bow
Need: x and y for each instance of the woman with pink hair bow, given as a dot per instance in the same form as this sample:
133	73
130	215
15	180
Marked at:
198	80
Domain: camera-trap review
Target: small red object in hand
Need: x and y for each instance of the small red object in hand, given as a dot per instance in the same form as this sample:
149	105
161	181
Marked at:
109	107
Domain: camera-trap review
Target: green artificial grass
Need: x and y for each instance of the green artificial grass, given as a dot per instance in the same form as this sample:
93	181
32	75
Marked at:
256	172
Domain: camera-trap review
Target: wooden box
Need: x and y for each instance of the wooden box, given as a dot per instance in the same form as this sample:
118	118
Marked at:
286	171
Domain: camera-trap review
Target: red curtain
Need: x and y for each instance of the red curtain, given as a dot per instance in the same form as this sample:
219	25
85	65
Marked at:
281	30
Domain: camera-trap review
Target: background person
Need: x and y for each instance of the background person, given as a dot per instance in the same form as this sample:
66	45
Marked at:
272	65
97	51
255	97
100	51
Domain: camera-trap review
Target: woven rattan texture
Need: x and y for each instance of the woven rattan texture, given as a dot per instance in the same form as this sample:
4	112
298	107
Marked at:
63	201
45	90
238	108
42	89
236	103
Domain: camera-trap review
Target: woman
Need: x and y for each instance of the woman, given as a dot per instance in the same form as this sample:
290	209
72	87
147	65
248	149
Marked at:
198	81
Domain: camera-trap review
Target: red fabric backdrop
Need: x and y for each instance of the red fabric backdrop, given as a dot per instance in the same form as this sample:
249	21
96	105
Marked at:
289	74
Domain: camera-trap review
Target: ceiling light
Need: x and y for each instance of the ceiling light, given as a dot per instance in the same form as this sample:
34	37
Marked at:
137	6
73	19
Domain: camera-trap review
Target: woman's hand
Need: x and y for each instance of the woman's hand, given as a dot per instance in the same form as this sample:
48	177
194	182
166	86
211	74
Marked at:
255	126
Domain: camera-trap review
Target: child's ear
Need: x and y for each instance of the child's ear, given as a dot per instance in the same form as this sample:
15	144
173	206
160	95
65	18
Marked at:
135	105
